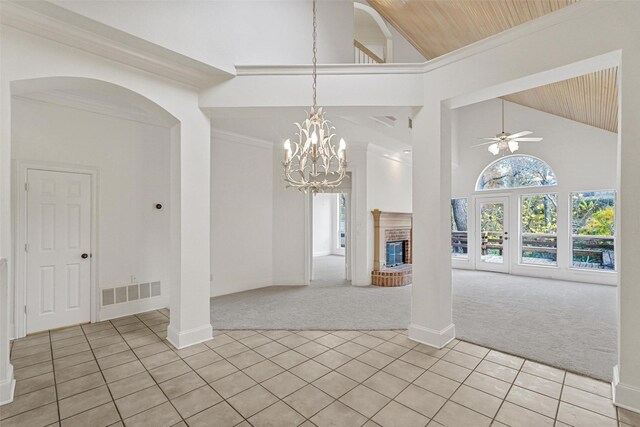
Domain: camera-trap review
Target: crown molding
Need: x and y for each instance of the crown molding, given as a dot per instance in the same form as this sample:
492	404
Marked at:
236	138
93	106
329	69
63	26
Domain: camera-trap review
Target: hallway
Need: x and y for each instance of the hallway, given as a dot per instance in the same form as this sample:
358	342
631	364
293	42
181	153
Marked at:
329	270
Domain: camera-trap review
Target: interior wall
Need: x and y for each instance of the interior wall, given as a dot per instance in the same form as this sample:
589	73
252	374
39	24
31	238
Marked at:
583	157
324	223
233	32
368	33
389	188
132	160
241	213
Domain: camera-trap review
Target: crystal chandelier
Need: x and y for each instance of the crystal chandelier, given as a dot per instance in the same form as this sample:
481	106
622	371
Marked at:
312	161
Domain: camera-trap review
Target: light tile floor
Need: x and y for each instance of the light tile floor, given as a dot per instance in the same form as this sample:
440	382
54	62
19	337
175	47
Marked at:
124	372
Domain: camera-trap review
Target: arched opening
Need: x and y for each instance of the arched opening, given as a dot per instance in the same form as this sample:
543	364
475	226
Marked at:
93	164
373	42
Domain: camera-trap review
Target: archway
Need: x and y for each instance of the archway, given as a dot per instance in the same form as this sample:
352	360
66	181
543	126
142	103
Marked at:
66	129
373	42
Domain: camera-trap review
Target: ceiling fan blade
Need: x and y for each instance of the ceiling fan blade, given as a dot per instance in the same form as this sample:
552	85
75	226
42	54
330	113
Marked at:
489	139
484	143
519	134
528	139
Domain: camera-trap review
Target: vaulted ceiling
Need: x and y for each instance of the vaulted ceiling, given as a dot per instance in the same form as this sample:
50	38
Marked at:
437	27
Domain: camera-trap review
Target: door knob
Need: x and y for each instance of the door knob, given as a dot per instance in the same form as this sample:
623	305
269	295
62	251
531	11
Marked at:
84	256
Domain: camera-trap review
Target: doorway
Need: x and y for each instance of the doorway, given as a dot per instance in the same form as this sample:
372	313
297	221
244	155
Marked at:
58	220
329	242
492	217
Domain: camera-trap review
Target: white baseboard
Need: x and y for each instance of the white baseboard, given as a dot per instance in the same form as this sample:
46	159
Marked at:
432	337
220	290
190	337
624	395
7	387
322	253
132	307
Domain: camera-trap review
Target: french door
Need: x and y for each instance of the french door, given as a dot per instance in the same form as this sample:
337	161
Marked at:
492	234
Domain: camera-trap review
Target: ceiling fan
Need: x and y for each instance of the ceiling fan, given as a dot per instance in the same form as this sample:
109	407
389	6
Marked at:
506	141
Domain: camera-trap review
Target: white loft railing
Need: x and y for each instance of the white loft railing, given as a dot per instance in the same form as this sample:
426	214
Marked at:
364	55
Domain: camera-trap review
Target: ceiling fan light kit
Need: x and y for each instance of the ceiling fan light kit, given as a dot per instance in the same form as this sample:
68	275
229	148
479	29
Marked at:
505	141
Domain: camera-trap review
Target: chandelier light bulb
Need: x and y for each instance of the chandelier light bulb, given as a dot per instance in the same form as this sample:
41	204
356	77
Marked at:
343	145
314	138
287	145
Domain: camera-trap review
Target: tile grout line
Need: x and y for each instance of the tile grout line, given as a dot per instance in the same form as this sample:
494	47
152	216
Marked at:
461	384
149	373
198	374
138	359
564	378
102	373
493	419
55	383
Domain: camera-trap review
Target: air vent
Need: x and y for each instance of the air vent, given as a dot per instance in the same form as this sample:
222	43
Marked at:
132	292
144	290
121	294
107	296
155	289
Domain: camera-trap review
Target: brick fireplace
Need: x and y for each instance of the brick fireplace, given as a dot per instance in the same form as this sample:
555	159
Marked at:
392	248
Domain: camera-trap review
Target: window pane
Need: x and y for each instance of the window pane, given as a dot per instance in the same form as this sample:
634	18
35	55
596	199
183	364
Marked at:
459	218
594	252
539	249
593	213
516	172
539	220
342	219
593	228
539	213
492	232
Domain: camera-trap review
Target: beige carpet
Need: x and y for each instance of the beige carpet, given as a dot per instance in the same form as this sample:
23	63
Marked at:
565	324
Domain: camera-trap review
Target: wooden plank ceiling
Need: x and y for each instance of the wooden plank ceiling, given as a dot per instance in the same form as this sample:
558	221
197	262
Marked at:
437	27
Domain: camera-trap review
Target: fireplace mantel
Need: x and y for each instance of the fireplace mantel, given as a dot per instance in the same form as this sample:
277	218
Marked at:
391	227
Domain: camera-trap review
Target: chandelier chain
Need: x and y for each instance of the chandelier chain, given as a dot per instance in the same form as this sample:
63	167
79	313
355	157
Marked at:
315	52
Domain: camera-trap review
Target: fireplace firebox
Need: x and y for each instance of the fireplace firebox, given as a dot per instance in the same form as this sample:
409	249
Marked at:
395	254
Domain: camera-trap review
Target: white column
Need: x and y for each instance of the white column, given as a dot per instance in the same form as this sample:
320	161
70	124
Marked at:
7	382
190	289
627	373
431	318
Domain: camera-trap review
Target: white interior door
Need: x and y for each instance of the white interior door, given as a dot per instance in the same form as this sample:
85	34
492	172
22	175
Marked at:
58	281
492	234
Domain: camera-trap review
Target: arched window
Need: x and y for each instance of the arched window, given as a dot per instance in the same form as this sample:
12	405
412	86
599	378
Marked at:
516	171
